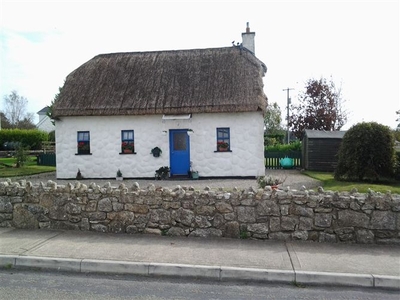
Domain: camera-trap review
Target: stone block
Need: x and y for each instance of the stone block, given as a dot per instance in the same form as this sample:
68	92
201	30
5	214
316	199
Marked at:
223	207
246	214
23	218
289	222
323	220
268	208
299	210
105	205
305	223
364	236
232	230
383	220
183	216
258	228
275	224
350	218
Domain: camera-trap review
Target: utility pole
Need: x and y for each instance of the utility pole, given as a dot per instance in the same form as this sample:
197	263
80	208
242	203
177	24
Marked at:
288	103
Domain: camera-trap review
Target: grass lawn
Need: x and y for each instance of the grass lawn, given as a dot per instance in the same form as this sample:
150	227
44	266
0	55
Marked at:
8	169
329	183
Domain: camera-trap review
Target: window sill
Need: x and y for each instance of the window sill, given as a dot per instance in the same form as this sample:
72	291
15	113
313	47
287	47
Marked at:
122	153
222	151
83	153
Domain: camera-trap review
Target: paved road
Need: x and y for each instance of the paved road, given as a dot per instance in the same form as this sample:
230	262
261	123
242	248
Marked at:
292	178
18	284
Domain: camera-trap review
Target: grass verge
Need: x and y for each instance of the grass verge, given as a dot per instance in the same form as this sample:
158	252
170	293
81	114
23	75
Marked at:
329	183
8	169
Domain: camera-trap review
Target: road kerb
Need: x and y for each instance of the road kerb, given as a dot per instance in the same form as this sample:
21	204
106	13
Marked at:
262	275
59	264
7	261
181	270
327	278
383	281
116	267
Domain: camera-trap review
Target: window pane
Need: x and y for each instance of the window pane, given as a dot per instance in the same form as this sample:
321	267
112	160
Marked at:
180	141
127	135
83	135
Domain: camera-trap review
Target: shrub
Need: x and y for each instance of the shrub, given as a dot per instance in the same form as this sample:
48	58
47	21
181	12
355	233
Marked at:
366	153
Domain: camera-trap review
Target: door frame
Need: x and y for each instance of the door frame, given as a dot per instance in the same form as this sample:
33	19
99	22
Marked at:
173	157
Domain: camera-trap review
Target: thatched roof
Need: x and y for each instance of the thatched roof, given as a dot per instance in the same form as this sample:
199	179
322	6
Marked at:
165	82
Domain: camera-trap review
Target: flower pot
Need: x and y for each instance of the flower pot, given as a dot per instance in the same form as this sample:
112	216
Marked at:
195	175
220	149
128	151
119	178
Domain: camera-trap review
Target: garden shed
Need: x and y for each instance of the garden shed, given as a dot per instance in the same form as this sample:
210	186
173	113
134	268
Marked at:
320	149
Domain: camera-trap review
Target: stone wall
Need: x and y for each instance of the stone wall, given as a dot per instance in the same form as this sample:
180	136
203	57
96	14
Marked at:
322	216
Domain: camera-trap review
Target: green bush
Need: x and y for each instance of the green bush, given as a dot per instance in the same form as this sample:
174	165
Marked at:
30	139
294	146
366	153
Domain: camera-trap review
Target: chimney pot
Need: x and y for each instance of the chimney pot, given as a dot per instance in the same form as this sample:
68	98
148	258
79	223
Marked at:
248	39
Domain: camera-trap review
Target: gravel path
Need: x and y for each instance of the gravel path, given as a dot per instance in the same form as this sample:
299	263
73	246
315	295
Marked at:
293	179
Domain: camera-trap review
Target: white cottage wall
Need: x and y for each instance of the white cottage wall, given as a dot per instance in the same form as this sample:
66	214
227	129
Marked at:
246	158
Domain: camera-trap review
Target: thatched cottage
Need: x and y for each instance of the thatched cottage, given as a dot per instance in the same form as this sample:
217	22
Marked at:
202	108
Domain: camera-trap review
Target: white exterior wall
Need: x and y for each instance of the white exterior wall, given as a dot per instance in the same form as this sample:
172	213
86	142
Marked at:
246	137
45	123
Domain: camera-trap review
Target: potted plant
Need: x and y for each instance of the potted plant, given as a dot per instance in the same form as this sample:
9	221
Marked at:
83	148
162	173
222	146
192	172
119	175
156	151
79	175
128	147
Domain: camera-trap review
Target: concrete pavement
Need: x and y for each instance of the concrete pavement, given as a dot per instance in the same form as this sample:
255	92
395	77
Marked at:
217	259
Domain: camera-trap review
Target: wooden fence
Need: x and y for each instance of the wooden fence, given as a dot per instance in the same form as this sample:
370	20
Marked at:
272	159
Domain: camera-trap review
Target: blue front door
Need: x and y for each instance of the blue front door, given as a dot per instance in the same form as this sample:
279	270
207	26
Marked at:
179	152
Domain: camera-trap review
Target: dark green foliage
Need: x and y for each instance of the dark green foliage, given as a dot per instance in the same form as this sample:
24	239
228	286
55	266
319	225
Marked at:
397	167
30	139
162	173
366	153
52	136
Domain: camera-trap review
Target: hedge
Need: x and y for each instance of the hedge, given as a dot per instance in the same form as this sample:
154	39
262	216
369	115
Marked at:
31	138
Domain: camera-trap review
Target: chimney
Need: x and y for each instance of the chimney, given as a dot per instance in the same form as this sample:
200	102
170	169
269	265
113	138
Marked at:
248	39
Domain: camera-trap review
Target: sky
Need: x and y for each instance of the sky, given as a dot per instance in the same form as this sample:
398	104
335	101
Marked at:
356	43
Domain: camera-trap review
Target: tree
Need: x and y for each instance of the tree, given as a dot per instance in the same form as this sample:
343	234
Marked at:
15	109
50	110
5	124
274	133
320	108
366	153
26	122
273	119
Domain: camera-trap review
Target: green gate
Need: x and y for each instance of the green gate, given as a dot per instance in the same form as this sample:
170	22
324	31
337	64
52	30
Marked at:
46	159
272	158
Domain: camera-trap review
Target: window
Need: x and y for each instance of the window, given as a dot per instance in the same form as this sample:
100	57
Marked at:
83	142
127	142
223	139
